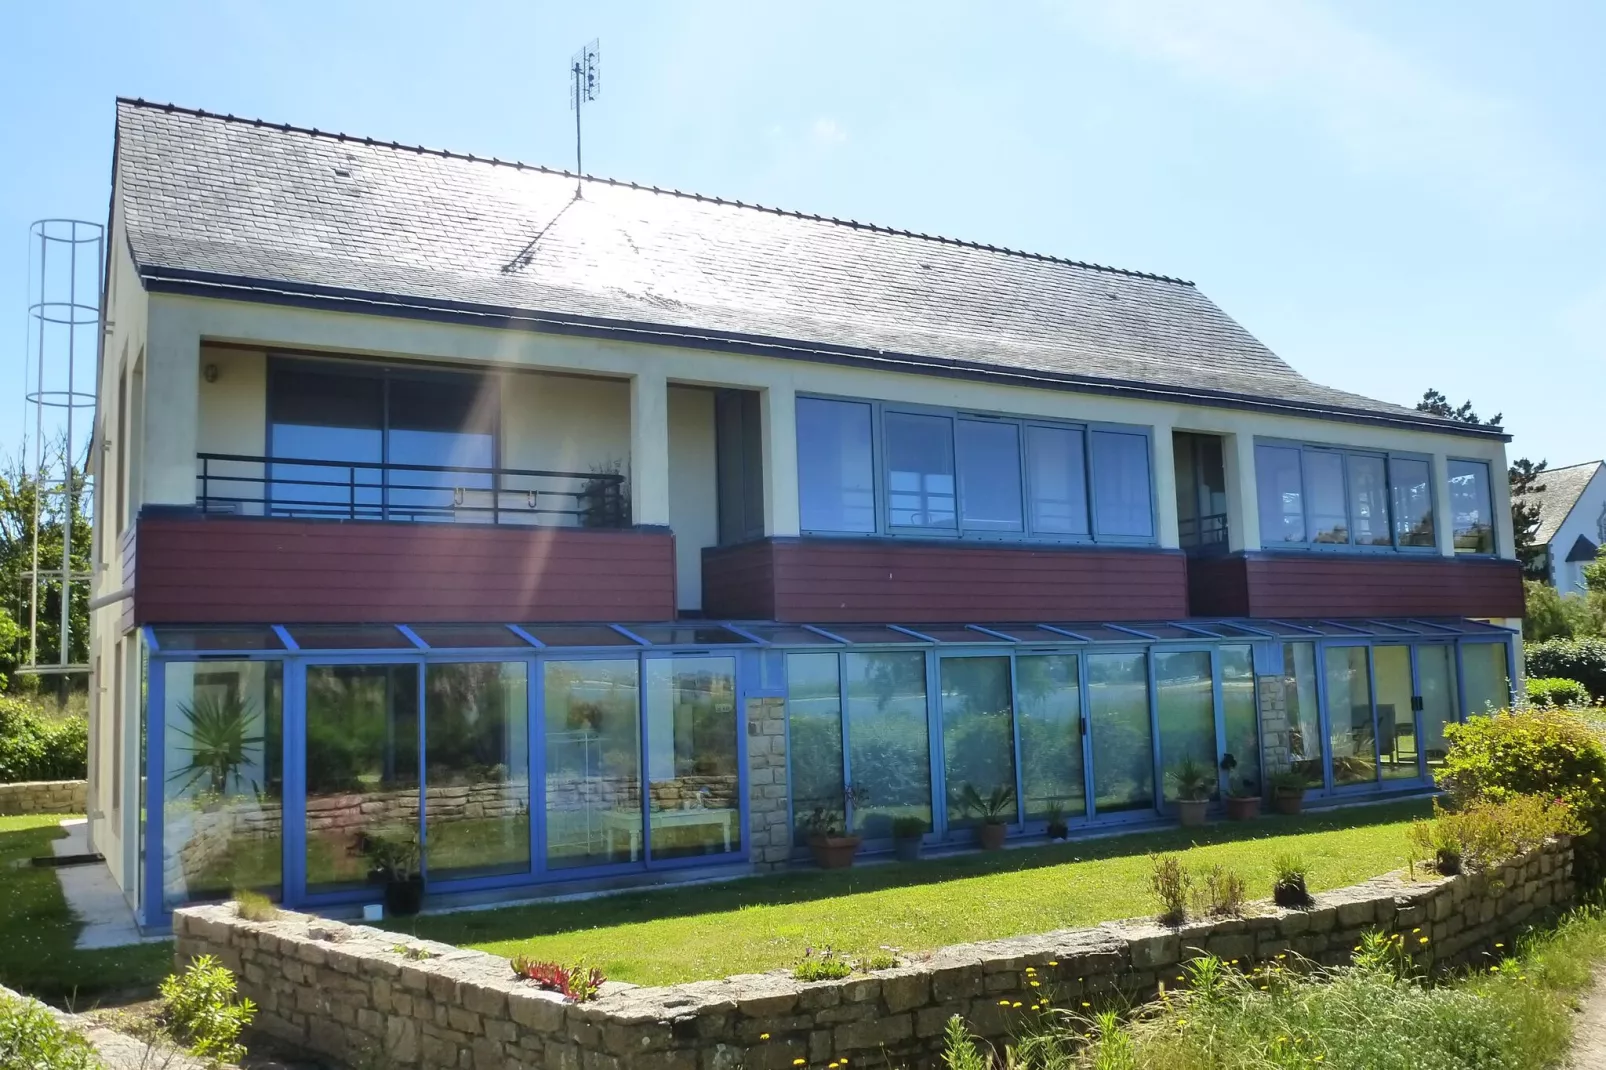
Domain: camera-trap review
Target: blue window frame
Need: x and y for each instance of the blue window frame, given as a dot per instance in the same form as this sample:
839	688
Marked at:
1471	507
1332	498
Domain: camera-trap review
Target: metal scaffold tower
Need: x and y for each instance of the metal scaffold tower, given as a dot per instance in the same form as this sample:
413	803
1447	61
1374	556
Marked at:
66	260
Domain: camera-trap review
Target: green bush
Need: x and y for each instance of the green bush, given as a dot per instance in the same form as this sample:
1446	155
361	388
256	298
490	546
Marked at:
1485	833
1583	660
32	1037
36	746
200	1012
1555	691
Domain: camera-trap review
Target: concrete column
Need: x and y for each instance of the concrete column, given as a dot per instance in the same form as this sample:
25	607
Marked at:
161	470
649	448
1165	488
779	410
1243	505
1443	531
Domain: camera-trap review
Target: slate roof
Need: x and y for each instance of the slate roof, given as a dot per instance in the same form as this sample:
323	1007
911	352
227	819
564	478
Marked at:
1563	488
243	208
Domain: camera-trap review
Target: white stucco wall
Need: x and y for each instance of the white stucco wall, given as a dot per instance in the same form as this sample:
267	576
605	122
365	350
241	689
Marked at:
693	489
565	423
1587	518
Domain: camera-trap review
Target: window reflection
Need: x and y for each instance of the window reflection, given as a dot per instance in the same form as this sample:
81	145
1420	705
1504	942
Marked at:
1413	501
989	475
1239	717
1057	467
1396	721
1122	738
593	763
1048	694
978	733
1471	515
1121	496
476	769
1185	703
1304	717
1368	500
835	467
920	471
814	725
1435	668
1282	501
888	744
692	772
1349	715
1324	497
1483	666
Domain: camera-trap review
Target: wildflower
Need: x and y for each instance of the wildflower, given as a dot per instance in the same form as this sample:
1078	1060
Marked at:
1037	984
1421	939
763	1036
1003	1003
1054	962
1500	945
799	1062
1085	1003
1419	930
1031	969
1015	1004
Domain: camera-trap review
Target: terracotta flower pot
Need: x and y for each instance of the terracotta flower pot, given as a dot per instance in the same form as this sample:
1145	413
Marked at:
907	848
834	852
1243	807
1288	802
991	835
1191	812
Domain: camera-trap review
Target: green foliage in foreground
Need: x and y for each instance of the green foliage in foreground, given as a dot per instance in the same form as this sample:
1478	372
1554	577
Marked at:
200	1011
1556	691
37	746
31	1037
1379	1014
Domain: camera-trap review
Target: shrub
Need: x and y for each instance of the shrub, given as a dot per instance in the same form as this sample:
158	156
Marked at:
1556	691
1170	883
37	746
1222	895
1583	660
1540	752
254	906
1486	832
908	828
32	1037
826	966
199	1011
578	982
1288	882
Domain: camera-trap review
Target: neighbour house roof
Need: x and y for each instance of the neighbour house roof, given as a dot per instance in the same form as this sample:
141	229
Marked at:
1583	550
1563	488
245	209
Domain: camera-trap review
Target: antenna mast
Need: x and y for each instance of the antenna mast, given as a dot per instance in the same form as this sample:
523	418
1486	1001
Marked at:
585	82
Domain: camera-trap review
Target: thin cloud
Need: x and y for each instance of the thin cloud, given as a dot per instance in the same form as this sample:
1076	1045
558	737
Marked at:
827	131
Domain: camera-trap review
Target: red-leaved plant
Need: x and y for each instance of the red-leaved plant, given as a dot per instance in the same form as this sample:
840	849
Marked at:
578	983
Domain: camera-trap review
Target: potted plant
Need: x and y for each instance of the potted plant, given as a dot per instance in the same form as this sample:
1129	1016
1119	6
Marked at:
1287	791
1243	796
907	833
1057	828
1192	782
393	861
832	846
995	810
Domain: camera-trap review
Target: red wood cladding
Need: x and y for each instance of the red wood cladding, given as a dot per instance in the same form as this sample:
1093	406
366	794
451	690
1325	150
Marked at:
1354	585
847	580
216	570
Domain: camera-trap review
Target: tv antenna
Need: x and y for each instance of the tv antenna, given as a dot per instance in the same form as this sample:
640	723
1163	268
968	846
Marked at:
585	82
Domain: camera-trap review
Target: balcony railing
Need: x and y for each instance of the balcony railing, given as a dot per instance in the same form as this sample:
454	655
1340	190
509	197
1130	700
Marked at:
1203	536
238	485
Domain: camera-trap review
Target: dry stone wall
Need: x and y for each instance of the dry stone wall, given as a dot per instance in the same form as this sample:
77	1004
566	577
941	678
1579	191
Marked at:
117	1051
352	993
43	797
769	810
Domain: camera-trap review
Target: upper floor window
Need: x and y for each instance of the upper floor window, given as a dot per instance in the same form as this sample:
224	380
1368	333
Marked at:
868	467
1320	497
1471	508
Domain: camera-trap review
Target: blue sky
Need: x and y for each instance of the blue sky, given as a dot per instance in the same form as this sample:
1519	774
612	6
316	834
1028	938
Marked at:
1392	196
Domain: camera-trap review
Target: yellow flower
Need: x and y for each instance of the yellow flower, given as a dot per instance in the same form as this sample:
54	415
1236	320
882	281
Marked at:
1421	939
1419	930
1003	1003
1037	984
1085	1003
799	1062
1031	969
1015	1004
763	1036
1054	962
1500	945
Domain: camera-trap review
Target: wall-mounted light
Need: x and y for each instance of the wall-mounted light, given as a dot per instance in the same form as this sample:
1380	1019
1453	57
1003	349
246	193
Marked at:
209	373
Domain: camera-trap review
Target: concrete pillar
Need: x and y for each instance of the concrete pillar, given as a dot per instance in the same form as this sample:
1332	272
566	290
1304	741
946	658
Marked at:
161	470
1165	488
779	411
1443	530
649	448
1243	505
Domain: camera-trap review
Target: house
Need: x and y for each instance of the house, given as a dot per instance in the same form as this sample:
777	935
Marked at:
1572	522
599	534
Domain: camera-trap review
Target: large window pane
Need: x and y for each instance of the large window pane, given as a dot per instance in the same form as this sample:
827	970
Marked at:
476	769
1412	490
1239	716
1122	739
1184	698
319	416
1050	714
1471	516
1488	685
1349	715
978	731
223	779
1057	466
920	471
1435	669
444	420
1324	497
1282	499
1396	722
1368	500
835	466
814	727
362	766
989	475
692	768
1121	494
1304	716
889	754
593	763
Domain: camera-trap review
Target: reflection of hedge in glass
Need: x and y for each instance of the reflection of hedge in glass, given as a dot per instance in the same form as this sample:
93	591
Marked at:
978	732
1049	715
889	750
1118	704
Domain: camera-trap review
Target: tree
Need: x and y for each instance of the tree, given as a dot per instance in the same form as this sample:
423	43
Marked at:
19	489
1439	405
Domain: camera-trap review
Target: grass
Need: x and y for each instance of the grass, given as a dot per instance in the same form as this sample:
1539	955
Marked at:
762	923
37	931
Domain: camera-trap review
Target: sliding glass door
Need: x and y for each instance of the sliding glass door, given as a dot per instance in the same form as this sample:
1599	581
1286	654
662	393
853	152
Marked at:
1122	736
1398	756
978	736
1048	697
1185	708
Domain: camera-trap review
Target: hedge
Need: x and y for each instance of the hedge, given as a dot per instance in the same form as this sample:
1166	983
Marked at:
1554	691
1583	660
34	746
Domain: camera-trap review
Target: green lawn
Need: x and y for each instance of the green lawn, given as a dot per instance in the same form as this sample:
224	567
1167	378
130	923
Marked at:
708	931
37	932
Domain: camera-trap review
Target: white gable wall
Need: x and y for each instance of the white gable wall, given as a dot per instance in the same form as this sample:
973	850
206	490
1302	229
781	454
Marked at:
1588	518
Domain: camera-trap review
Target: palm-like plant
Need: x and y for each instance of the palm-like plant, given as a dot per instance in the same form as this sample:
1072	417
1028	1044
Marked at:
1192	779
993	809
217	736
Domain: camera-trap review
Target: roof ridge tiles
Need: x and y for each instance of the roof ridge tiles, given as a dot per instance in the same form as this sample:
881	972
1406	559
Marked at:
201	113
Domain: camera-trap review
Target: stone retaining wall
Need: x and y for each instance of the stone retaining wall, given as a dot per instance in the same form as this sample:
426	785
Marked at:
44	797
348	992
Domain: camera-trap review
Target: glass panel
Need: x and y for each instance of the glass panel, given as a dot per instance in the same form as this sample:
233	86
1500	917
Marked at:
784	635
1368	500
947	633
1304	716
835	466
1238	715
1435	672
447	421
1121	493
1282	501
1324	497
692	769
222	779
1471	517
1411	487
1349	716
1123	739
1483	669
592	723
1057	472
1050	717
686	635
350	637
476	769
978	733
871	634
1185	700
1396	722
920	471
170	640
325	416
578	635
1161	630
362	767
814	723
888	744
1100	633
989	475
464	636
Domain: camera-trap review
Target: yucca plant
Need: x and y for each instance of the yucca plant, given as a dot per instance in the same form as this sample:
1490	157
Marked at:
994	809
217	735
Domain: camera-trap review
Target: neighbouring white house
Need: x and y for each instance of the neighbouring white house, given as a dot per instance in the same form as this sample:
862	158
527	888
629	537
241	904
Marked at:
1572	521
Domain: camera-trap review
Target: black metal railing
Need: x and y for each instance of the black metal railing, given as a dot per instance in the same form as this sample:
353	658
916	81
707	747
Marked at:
1202	536
414	493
